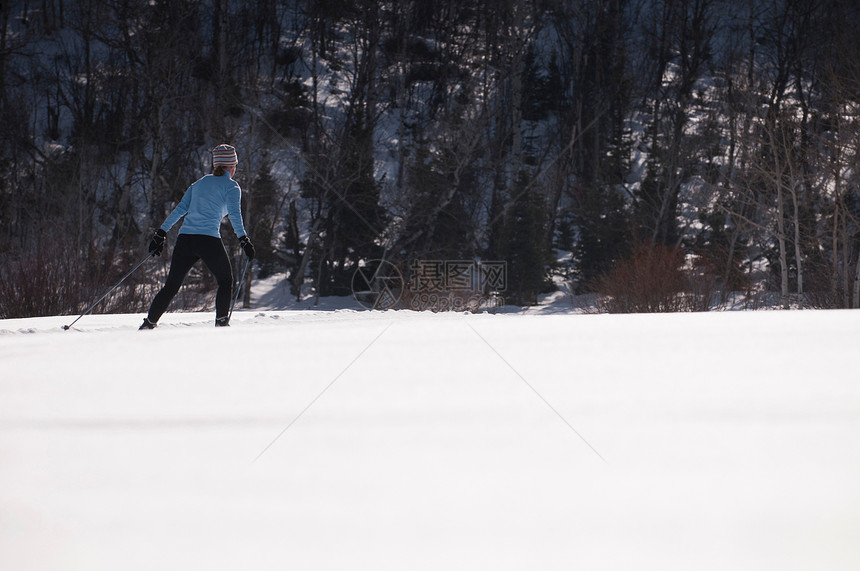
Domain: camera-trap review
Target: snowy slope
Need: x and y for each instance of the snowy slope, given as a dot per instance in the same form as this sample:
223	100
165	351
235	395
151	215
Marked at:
398	440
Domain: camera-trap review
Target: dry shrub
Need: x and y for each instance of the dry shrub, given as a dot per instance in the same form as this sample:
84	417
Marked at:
653	280
51	280
38	285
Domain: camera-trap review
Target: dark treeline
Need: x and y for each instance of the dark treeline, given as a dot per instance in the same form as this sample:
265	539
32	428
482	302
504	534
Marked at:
676	150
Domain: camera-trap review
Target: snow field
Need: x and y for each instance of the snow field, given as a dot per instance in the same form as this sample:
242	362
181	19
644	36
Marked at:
401	440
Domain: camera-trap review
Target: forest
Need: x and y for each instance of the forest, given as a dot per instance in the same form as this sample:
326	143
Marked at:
647	155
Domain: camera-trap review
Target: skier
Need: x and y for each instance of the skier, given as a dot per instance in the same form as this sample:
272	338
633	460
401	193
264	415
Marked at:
203	205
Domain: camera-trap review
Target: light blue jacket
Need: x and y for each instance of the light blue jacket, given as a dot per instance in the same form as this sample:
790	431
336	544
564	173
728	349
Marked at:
205	204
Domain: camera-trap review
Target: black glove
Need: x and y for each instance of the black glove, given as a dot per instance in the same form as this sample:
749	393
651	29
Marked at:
156	245
246	244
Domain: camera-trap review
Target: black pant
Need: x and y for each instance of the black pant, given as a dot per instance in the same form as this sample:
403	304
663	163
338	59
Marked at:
190	248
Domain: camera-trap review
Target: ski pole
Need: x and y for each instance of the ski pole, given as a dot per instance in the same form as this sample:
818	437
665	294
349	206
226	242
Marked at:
239	287
113	287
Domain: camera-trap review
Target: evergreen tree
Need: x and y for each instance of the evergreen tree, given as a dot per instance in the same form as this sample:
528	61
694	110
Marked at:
524	248
604	235
354	219
261	199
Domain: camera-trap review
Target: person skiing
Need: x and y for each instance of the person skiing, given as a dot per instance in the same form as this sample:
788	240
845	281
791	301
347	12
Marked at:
203	205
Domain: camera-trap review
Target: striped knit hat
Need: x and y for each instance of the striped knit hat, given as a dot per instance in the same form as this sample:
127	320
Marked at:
224	156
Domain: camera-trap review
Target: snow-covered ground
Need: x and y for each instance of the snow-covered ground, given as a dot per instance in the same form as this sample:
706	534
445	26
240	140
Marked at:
347	439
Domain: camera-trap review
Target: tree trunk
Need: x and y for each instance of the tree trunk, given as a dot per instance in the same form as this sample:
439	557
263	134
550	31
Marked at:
783	258
856	300
797	247
517	49
248	216
729	259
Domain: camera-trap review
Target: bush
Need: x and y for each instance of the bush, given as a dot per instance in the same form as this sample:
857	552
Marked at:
51	280
653	280
38	285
